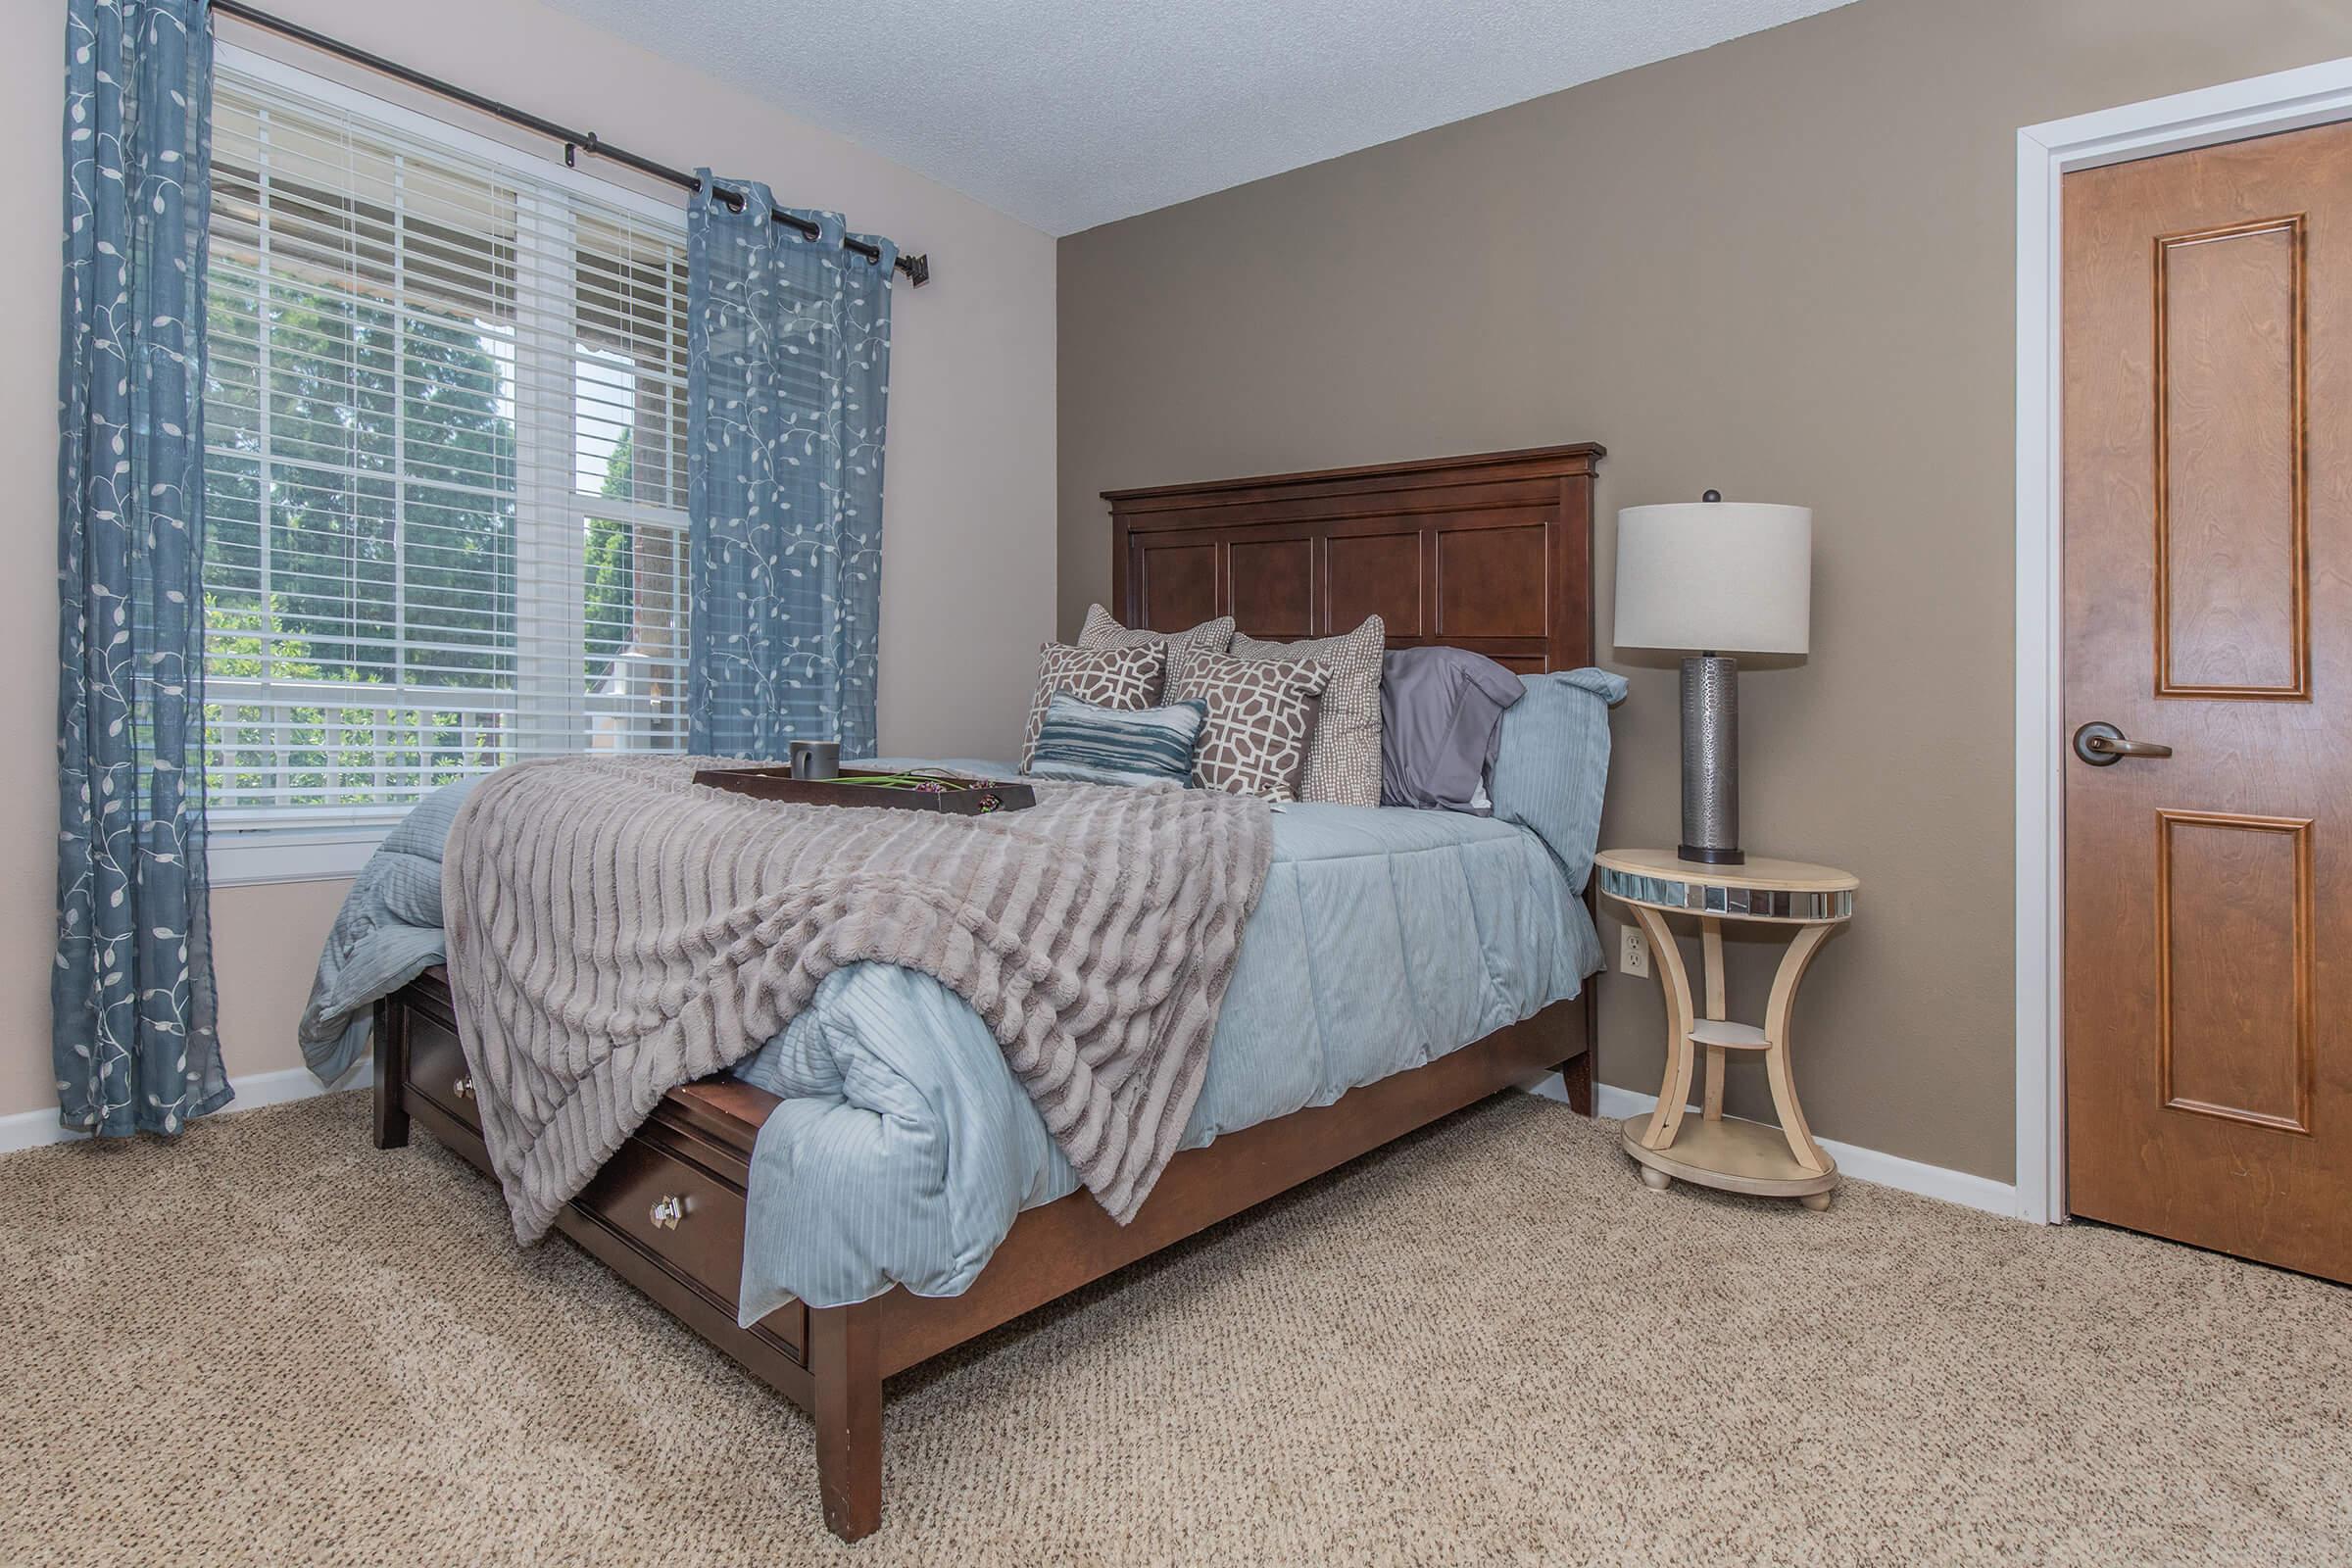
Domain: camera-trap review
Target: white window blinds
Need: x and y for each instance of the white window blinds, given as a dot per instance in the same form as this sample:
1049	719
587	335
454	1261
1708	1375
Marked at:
445	478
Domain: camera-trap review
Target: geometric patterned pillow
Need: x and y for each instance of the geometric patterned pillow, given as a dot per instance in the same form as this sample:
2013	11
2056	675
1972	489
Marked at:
1261	713
1126	679
1343	760
1102	630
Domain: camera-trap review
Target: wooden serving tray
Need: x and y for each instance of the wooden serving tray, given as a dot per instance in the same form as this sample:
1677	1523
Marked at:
956	794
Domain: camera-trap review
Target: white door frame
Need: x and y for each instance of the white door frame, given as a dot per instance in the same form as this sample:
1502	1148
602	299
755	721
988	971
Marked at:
2256	107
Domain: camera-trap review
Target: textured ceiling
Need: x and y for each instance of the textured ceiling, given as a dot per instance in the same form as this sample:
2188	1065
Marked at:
1071	113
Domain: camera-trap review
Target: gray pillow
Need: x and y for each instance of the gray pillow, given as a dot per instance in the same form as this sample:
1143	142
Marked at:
1124	678
1343	760
1102	630
1441	711
1551	762
1262	715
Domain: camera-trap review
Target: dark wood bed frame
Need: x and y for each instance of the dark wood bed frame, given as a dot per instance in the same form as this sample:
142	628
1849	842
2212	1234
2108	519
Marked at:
1491	553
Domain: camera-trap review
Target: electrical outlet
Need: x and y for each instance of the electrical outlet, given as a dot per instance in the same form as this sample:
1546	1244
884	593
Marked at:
1633	952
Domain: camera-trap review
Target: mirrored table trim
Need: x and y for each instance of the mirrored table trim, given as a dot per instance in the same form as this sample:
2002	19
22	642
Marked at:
1700	898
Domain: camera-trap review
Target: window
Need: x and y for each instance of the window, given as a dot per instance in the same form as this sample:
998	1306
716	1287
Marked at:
445	480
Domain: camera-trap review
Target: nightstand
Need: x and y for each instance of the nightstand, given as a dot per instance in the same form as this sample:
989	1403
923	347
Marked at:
1735	1157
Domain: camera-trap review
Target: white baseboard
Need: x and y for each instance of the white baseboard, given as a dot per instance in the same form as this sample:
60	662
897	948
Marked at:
30	1129
1862	1164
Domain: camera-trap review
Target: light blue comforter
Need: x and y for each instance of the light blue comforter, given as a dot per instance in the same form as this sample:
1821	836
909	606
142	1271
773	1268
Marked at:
905	1146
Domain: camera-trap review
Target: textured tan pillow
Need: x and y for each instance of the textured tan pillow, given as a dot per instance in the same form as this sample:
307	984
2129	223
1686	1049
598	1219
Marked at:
1124	678
1102	630
1343	760
1260	713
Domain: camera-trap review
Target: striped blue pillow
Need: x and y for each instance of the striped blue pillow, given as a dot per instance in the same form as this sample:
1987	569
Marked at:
1117	746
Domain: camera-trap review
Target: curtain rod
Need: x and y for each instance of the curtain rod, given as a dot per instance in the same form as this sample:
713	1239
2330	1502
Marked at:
917	267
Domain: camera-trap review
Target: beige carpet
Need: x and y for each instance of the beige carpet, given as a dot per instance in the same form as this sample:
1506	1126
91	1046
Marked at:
1489	1343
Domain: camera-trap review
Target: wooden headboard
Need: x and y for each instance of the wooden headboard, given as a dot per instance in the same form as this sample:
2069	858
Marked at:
1492	552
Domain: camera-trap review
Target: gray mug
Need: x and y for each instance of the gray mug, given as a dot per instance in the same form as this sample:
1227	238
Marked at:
815	760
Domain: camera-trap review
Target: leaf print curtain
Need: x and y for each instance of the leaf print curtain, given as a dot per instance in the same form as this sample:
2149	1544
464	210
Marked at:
788	380
132	995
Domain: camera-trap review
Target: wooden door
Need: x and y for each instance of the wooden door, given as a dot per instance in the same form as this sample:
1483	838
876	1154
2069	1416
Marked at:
2208	451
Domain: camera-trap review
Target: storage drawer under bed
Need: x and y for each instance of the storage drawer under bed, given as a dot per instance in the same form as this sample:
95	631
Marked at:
662	1201
436	1068
676	1200
671	1196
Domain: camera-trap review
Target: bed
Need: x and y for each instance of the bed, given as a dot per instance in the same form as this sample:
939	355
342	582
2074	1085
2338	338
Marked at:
1490	553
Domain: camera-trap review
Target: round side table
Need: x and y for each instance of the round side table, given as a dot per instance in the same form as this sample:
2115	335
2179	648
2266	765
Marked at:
1737	1156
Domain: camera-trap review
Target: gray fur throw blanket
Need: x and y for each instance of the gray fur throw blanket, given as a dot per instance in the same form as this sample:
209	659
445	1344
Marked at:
616	930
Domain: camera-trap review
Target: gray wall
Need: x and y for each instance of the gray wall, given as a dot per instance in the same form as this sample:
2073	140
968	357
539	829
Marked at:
1782	268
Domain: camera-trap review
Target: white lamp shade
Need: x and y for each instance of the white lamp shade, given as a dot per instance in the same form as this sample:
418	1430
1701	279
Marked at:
1727	576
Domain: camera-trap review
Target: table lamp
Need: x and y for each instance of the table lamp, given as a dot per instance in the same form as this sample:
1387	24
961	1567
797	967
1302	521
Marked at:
1712	576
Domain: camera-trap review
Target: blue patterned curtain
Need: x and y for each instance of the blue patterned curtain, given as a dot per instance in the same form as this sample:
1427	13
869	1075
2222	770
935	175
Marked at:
788	372
131	996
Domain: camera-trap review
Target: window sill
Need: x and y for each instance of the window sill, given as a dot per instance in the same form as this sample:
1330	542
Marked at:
257	857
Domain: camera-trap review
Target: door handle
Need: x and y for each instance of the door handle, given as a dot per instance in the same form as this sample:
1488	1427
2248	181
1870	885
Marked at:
2103	746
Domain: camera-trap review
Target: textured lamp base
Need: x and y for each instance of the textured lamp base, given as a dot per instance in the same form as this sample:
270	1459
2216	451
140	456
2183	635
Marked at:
1711	762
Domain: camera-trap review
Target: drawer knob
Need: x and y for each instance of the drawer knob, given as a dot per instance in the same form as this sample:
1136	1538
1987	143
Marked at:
667	1212
462	1087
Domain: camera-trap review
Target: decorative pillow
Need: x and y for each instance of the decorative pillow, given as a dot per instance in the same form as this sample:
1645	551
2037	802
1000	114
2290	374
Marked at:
1109	745
1343	759
1551	764
1440	719
1102	630
1124	678
1261	713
